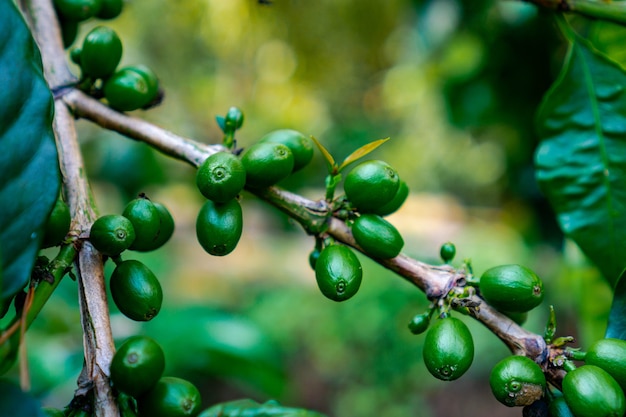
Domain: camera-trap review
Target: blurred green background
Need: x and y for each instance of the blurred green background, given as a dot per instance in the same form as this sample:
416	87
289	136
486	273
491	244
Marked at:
454	83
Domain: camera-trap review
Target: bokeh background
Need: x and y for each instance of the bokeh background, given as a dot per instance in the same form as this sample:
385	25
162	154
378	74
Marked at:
453	83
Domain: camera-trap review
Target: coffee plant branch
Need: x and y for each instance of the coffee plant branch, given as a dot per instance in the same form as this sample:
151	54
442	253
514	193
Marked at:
314	216
437	282
99	347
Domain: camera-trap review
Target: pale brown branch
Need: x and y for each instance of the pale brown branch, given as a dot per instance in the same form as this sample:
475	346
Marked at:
97	336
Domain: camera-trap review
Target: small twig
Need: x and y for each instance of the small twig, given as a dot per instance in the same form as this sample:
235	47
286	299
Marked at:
24	373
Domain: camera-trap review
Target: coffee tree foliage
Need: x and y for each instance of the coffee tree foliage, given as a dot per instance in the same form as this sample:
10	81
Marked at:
513	111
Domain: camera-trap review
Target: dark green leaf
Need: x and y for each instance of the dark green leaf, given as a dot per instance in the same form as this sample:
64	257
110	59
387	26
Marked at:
581	160
250	408
14	402
617	316
30	180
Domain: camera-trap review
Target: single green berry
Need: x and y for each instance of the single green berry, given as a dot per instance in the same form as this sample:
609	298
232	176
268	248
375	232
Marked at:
146	221
419	324
517	381
338	272
151	79
137	365
127	90
300	146
112	234
58	224
219	227
110	9
266	163
370	185
610	355
77	10
376	236
136	291
101	52
396	202
448	349
590	391
170	397
221	177
512	288
447	252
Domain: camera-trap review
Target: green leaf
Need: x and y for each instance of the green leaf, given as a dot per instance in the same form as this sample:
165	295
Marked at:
14	402
329	158
30	180
224	345
361	152
617	316
251	408
581	160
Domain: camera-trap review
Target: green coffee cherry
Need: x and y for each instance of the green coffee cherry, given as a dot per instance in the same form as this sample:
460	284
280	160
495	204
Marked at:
136	291
300	146
219	227
110	9
338	272
112	234
377	236
517	381
370	185
146	221
267	163
129	89
101	52
448	349
419	324
590	391
396	202
447	252
58	224
221	177
170	397
77	10
511	288
137	365
152	81
610	355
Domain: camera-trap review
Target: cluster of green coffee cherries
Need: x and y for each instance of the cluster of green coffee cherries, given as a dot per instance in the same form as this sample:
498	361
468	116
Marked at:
594	389
124	89
143	226
141	389
372	188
